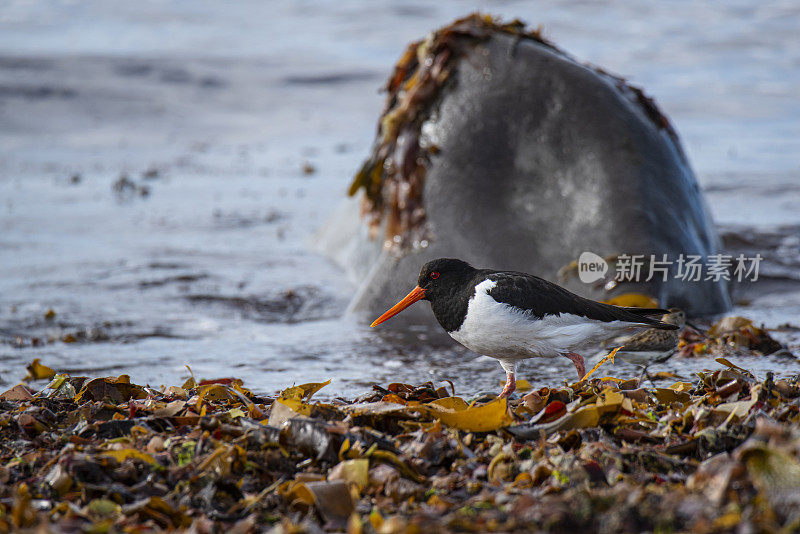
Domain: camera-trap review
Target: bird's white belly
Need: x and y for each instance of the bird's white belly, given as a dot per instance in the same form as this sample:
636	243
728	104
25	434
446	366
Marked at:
501	331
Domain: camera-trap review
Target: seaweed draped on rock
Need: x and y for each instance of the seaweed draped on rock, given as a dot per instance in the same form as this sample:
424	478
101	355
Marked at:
500	149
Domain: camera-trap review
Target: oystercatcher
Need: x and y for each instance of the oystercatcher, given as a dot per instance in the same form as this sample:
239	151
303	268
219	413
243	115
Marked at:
512	316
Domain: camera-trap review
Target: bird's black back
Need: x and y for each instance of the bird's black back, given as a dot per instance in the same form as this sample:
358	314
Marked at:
539	298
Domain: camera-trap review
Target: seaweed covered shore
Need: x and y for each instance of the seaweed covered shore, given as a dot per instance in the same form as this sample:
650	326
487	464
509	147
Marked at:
717	454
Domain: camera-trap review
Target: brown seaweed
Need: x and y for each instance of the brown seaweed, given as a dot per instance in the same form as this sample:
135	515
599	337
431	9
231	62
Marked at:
718	454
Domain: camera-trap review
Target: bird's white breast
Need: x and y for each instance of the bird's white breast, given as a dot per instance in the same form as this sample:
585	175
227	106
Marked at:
502	331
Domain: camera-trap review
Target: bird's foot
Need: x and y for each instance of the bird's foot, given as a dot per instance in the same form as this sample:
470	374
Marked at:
511	385
577	359
646	376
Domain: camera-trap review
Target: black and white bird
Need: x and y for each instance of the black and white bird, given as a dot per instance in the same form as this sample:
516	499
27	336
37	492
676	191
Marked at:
513	316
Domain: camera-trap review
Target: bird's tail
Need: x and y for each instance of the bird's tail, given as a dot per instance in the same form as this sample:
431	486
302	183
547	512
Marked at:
643	315
645	311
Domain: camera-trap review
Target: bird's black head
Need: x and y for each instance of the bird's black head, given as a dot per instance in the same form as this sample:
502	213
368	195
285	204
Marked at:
438	277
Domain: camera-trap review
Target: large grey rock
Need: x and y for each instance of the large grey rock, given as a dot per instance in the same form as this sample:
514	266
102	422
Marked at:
540	158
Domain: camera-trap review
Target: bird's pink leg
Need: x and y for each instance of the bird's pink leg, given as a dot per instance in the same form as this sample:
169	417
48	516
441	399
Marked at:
577	359
511	384
510	367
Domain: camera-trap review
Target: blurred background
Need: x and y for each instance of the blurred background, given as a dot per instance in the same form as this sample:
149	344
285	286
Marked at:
164	167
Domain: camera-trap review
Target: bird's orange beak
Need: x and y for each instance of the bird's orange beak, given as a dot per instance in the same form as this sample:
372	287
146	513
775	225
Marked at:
416	294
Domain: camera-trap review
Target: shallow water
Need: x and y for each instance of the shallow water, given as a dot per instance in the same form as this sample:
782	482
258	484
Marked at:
254	118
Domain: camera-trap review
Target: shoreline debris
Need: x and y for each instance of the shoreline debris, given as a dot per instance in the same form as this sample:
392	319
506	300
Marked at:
605	454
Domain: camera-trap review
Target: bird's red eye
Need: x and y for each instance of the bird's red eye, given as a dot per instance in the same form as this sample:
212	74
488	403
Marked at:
435	275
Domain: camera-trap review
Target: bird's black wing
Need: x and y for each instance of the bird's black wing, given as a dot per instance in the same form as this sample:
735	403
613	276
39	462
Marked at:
540	298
